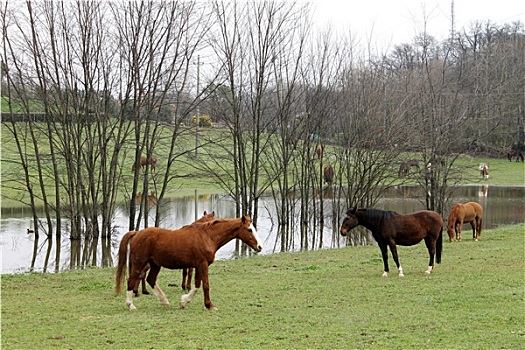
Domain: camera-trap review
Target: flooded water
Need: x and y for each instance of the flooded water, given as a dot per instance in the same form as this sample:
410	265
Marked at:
22	252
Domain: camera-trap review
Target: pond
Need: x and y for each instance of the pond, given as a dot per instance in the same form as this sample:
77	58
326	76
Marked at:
22	252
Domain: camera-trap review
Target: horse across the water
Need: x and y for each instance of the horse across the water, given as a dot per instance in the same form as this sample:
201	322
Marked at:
186	272
514	153
471	212
484	171
190	246
390	228
328	174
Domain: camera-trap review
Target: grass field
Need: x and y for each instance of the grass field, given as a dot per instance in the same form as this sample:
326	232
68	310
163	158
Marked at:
330	299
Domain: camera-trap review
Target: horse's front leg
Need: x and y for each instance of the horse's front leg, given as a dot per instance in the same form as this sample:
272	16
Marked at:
206	287
393	249
460	228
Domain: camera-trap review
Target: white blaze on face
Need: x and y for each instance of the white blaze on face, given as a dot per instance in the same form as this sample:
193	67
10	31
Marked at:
254	232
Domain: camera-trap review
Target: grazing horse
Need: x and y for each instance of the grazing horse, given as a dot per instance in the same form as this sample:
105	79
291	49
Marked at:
515	153
328	174
151	198
390	228
190	246
145	161
186	272
471	212
484	171
319	152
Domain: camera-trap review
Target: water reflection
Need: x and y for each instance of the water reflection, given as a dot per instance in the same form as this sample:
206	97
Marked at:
23	252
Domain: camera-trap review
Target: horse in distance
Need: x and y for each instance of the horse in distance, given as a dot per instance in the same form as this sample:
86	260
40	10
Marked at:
515	153
190	246
145	161
390	229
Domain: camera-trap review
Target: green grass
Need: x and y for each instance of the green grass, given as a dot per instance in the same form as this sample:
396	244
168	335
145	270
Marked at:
322	299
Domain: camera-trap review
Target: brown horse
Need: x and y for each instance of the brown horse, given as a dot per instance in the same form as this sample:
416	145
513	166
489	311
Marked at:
515	153
319	152
328	174
186	272
390	228
405	166
470	212
190	246
144	161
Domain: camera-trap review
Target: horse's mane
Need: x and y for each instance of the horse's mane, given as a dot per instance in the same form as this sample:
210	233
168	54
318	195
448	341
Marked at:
377	215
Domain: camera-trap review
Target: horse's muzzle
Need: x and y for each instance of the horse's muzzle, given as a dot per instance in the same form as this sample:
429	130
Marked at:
258	249
343	231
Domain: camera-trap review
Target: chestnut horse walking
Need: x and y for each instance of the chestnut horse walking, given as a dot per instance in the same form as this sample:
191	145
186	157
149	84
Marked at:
186	272
471	212
190	246
390	228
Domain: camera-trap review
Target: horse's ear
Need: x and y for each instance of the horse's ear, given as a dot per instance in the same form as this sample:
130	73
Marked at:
351	211
205	213
244	219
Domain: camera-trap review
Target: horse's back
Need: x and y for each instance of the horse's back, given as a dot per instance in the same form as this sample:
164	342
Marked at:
472	210
169	248
411	228
475	206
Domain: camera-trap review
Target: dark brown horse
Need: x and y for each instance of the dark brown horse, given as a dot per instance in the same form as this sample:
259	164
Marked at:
405	166
390	228
144	161
190	246
514	153
471	212
186	272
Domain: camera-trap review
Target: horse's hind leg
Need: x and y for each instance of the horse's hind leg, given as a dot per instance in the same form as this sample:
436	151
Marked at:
474	224
133	285
431	247
152	280
479	221
184	285
393	249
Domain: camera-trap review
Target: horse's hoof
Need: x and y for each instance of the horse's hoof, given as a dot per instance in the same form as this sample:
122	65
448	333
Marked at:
166	305
182	306
401	275
132	307
385	274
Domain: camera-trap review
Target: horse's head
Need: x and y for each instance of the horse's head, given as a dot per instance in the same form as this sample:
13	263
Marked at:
349	222
206	217
248	234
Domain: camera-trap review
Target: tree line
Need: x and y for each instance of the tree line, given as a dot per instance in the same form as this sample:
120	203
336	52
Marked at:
122	80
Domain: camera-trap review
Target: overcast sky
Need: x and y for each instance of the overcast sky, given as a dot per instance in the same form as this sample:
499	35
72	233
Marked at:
390	22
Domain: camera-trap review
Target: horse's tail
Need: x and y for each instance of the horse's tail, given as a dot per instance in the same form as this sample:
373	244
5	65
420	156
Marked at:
439	246
122	259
